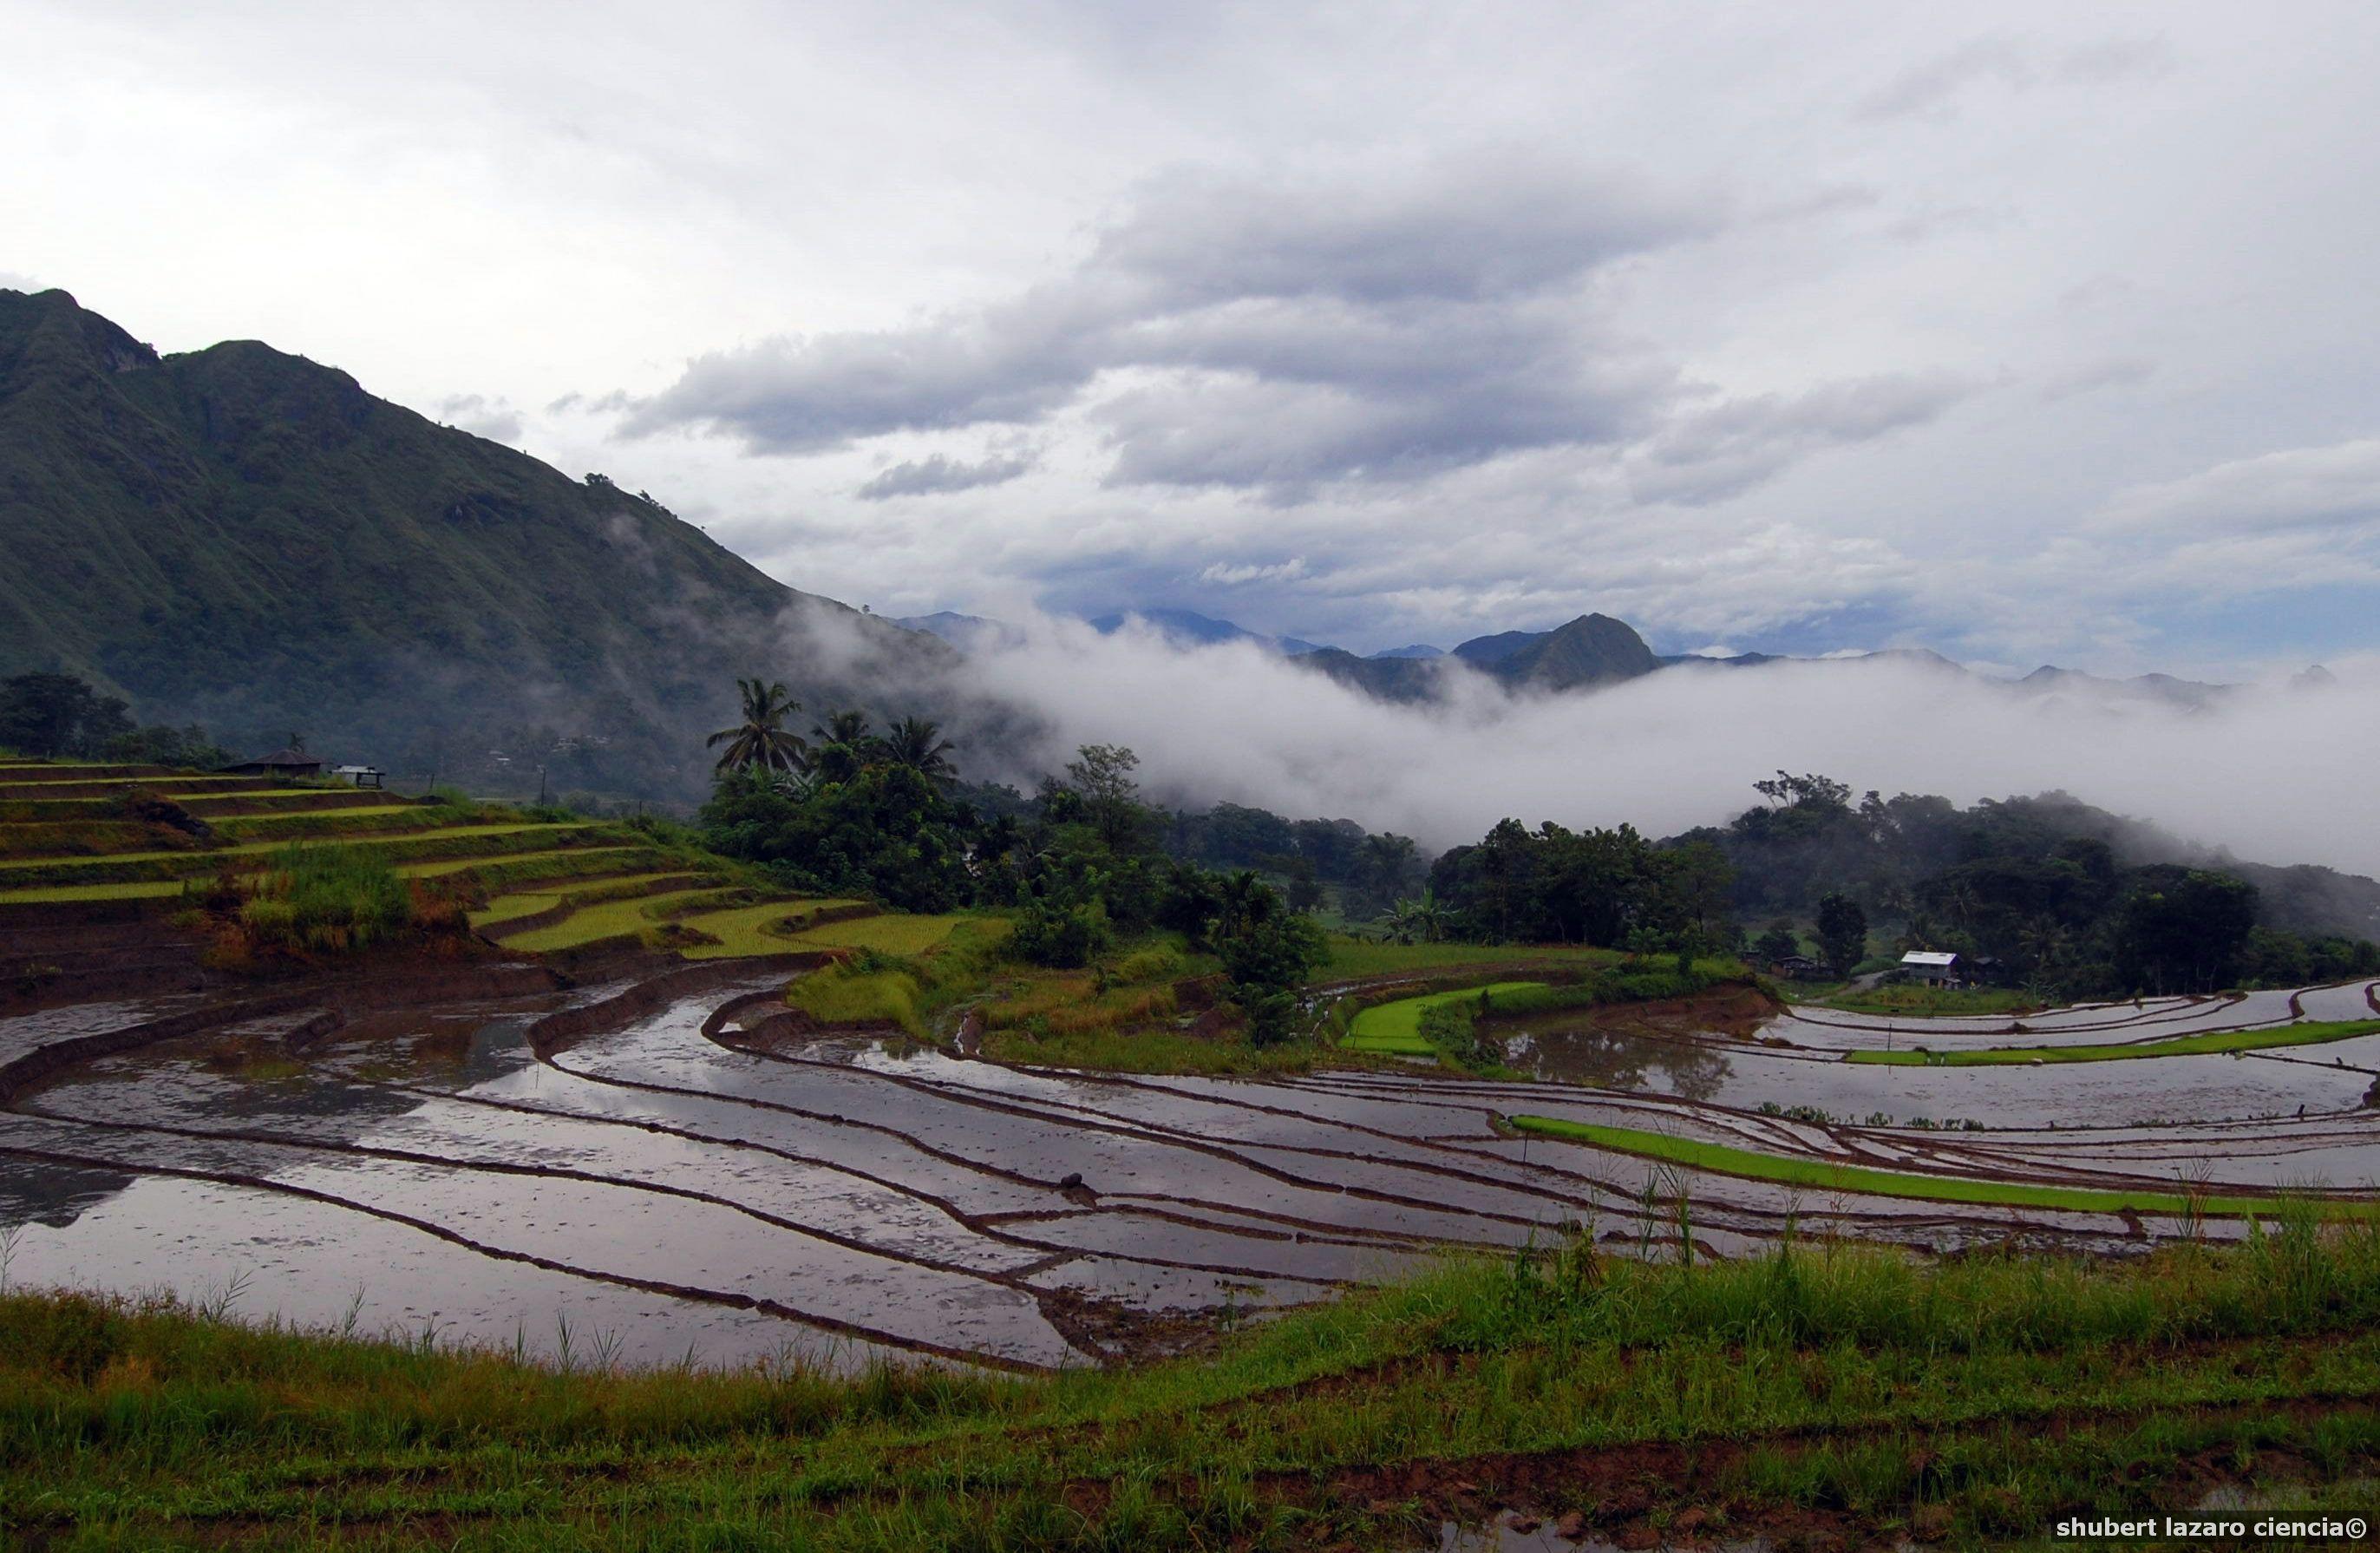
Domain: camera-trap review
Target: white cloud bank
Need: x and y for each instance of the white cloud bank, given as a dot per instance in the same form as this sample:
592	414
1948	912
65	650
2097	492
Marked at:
2279	775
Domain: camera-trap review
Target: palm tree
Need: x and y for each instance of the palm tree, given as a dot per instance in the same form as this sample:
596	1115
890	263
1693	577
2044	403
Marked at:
1246	901
919	745
843	728
760	741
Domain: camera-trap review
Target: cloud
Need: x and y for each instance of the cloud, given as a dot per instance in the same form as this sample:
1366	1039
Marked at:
939	474
1929	88
494	419
2276	774
1235	576
2333	489
1732	446
1259	333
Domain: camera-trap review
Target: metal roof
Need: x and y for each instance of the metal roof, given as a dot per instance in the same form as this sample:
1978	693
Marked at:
1929	957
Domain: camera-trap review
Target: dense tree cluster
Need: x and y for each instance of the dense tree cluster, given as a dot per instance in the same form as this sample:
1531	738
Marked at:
1608	888
1372	873
1081	863
2035	888
61	716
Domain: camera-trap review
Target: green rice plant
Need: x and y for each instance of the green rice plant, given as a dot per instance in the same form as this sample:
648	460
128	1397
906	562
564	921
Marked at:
1395	1028
858	994
901	935
1828	1176
137	890
634	915
2306	1033
768	927
121	867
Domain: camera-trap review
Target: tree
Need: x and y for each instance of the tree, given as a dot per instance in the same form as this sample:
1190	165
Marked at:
1842	932
760	741
1419	922
1101	776
2183	930
1780	942
919	744
1268	952
55	715
1305	890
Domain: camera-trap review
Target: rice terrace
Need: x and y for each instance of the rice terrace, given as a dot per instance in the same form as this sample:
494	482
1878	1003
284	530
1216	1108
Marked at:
675	1162
1514	778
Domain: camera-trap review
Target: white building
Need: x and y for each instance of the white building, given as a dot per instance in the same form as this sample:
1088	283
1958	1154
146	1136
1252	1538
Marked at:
1931	965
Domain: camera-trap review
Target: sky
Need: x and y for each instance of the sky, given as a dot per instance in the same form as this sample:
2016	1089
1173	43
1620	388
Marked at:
2029	334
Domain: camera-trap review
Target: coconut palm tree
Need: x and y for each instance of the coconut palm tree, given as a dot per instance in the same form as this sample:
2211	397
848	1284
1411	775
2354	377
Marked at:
919	745
843	728
760	741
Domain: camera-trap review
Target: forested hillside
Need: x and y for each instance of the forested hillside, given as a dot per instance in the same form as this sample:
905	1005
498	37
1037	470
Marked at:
248	540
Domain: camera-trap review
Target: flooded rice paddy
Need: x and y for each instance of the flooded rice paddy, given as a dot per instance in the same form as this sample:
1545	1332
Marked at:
653	1172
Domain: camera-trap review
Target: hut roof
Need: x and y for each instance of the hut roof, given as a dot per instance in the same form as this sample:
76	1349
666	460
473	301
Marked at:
289	755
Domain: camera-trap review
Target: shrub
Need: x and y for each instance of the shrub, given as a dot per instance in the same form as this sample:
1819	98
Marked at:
318	901
1061	937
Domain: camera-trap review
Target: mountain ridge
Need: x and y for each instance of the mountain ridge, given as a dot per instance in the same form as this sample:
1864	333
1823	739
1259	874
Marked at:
249	539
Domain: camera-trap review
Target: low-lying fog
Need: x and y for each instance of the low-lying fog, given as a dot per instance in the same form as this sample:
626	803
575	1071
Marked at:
2277	774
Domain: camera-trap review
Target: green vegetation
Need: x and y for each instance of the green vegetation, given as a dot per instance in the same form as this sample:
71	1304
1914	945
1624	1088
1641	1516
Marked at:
1820	1389
123	866
898	935
1395	1028
1357	958
861	992
1823	1176
313	900
2306	1033
137	890
767	928
629	917
1915	1001
576	627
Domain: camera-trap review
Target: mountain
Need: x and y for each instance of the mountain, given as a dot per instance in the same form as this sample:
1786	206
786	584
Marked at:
2049	679
248	539
1590	651
969	634
1411	649
1185	628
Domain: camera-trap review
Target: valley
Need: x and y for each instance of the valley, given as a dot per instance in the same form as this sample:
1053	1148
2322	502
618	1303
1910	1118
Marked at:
647	1113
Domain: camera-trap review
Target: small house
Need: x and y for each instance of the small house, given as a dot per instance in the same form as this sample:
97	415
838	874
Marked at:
1798	968
288	764
359	775
1939	967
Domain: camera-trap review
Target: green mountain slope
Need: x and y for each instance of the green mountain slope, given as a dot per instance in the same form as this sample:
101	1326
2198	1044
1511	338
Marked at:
250	539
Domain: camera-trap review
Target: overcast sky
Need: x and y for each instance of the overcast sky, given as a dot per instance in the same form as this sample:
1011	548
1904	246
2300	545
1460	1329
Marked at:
2028	332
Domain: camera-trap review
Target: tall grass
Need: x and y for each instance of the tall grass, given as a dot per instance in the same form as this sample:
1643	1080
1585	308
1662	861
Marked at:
1849	1380
323	900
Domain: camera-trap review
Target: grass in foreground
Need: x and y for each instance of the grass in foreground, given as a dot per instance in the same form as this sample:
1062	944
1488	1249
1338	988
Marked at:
1822	1393
1825	1175
2304	1033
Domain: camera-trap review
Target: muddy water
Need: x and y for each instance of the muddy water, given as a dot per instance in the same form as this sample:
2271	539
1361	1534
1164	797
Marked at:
655	1189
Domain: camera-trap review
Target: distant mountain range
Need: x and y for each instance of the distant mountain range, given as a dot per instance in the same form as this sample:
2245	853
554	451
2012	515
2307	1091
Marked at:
1589	650
249	539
